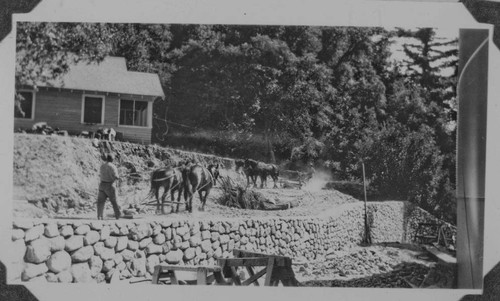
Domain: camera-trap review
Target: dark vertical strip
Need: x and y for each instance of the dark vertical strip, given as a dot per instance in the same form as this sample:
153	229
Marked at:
471	155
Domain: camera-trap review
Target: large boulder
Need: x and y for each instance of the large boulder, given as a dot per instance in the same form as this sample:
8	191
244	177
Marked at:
73	243
17	234
189	254
138	267
118	258
121	243
140	232
174	257
56	243
182	231
154	249
23	224
206	245
99	248
38	251
82	254
96	225
59	261
145	242
194	241
151	262
105	232
82	230
65	277
66	231
33	270
111	242
159	239
17	250
51	277
132	245
95	264
127	255
108	265
91	237
107	254
34	233
81	272
51	230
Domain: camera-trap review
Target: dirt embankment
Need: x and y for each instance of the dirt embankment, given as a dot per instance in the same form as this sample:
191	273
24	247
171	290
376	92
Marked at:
58	176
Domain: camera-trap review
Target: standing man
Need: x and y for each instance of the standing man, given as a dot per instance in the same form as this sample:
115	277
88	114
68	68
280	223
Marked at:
108	175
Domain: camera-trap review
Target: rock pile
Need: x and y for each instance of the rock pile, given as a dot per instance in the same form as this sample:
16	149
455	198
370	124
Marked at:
377	267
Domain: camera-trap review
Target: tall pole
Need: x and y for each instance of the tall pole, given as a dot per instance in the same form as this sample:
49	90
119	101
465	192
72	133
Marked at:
367	238
471	155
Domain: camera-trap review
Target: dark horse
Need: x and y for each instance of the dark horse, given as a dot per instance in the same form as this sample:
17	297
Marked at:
199	179
249	172
263	170
171	179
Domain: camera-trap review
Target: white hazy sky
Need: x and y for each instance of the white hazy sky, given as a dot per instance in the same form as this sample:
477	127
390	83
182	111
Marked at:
446	33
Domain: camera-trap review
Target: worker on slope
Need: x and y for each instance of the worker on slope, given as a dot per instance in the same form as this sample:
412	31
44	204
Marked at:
107	189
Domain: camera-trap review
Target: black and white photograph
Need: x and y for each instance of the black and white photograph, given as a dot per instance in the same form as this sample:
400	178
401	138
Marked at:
264	155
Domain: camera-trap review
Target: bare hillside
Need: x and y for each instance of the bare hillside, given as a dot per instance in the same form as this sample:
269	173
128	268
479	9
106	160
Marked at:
58	176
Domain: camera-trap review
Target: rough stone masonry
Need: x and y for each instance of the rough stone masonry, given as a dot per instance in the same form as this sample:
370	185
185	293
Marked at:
93	251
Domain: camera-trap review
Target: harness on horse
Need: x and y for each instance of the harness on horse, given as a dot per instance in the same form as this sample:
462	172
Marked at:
162	179
209	182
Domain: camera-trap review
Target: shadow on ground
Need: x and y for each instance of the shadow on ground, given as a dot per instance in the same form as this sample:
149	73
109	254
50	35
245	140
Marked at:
13	292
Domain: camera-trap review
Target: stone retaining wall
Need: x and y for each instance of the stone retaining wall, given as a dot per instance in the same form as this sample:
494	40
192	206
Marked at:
92	251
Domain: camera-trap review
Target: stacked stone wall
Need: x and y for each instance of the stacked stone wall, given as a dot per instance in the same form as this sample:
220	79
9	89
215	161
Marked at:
94	251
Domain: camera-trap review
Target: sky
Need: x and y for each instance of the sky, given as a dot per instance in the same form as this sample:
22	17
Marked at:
446	33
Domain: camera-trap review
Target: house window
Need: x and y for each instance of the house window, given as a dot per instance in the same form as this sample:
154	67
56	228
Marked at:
26	102
133	112
93	109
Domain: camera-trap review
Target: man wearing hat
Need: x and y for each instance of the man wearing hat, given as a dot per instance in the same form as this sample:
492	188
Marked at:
108	175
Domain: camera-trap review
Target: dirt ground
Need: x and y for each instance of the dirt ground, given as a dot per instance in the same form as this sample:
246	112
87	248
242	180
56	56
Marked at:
57	177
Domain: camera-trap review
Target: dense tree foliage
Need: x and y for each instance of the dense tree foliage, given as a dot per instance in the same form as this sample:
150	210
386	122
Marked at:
333	96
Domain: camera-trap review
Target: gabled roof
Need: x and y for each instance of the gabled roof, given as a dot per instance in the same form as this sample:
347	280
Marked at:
111	75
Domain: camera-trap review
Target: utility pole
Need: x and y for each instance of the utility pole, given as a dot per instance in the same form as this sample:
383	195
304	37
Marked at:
367	238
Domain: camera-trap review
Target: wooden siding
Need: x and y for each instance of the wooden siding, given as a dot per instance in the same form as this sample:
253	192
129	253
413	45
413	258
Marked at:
63	110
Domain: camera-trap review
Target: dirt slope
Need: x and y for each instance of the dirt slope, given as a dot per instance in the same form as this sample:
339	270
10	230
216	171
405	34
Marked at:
58	176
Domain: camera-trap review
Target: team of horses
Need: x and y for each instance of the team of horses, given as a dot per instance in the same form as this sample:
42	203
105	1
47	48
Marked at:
254	169
185	179
188	178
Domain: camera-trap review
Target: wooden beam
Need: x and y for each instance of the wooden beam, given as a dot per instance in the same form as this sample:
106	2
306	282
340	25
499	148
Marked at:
255	277
442	257
246	261
269	271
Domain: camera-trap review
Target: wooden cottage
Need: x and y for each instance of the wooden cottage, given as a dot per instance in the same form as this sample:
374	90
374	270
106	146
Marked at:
93	96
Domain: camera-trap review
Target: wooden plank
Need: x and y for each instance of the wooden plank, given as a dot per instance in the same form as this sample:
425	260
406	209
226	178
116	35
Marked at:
252	273
173	278
280	260
220	280
201	276
442	257
246	261
156	275
189	268
235	277
269	271
255	277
